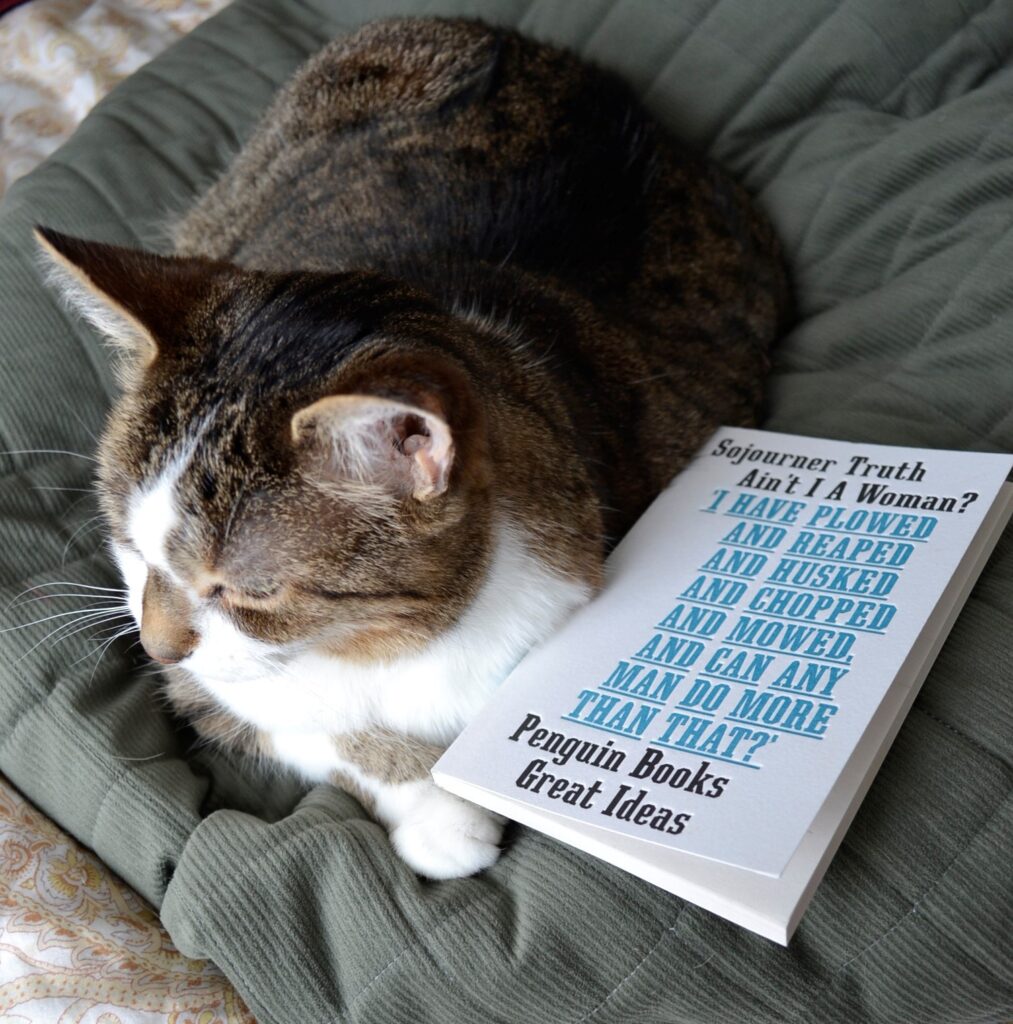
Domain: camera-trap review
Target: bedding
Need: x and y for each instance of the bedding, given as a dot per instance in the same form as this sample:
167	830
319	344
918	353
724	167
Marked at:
878	138
78	946
57	57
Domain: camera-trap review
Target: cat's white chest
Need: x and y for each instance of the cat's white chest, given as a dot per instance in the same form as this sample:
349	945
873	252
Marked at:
318	699
424	696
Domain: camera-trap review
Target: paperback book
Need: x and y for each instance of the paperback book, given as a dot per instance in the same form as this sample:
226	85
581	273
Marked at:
713	718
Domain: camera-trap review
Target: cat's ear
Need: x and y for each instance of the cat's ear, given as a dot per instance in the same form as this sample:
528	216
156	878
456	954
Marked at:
135	299
370	439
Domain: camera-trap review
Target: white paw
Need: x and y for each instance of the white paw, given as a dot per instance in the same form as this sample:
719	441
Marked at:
442	836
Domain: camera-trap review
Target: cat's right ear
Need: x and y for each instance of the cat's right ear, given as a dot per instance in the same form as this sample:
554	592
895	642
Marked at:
369	439
135	299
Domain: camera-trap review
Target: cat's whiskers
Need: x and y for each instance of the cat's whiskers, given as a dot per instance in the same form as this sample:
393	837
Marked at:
105	631
70	583
68	407
86	621
68	593
106	645
84	494
506	259
109	603
75	490
652	377
93	523
99	610
79	626
99	640
49	451
90	593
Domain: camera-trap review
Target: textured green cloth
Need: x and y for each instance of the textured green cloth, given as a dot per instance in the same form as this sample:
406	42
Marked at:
879	136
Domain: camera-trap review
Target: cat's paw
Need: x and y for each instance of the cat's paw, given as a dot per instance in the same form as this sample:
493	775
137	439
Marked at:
442	836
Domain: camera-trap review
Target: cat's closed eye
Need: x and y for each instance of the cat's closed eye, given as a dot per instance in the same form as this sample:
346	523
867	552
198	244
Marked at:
248	593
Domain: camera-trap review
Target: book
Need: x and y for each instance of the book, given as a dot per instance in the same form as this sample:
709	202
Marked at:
713	718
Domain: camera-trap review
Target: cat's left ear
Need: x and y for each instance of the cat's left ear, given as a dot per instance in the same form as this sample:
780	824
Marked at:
370	439
135	299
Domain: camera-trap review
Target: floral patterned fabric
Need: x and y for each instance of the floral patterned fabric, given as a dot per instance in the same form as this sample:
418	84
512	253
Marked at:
78	946
59	57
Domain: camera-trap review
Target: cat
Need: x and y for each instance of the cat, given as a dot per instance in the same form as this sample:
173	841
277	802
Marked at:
453	316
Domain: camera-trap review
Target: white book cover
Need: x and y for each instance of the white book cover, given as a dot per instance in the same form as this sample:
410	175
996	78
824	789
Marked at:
712	719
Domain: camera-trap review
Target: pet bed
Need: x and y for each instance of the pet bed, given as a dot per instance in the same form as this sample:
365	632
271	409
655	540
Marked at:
878	137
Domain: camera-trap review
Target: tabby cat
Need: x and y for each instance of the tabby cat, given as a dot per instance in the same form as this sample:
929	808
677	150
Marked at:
453	316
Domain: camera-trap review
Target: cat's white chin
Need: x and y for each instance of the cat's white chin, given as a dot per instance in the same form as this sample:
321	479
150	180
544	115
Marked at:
441	836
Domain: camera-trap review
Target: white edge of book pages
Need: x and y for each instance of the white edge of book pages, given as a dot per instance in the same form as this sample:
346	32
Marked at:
772	907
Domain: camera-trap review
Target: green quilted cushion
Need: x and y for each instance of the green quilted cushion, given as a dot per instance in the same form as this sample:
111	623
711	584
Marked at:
878	136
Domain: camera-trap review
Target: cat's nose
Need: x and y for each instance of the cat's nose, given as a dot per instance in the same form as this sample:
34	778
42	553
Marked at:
166	635
163	659
166	654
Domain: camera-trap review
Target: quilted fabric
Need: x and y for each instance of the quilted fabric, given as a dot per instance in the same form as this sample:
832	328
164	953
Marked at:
878	137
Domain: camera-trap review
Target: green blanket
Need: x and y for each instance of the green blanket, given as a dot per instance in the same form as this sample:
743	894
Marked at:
877	133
